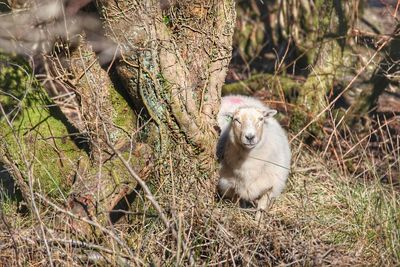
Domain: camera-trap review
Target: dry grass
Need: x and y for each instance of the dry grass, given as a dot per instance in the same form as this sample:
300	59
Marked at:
325	217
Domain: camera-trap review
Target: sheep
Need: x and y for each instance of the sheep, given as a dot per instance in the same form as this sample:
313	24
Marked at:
253	150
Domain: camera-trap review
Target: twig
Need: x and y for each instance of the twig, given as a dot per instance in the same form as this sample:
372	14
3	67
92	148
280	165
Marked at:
82	244
342	92
93	223
151	198
369	135
85	245
11	235
30	182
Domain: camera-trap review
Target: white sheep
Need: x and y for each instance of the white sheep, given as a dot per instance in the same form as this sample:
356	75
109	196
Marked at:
253	150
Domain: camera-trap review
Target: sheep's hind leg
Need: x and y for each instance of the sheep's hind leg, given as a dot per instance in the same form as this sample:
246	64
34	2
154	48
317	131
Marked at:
263	205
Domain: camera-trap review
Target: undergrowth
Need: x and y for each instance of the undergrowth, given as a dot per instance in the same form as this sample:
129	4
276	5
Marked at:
324	217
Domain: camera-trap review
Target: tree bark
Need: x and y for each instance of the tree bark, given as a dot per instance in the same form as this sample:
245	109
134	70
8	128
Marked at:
383	75
174	71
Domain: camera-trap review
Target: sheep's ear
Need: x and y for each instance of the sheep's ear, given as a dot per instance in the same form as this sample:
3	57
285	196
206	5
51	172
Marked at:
269	113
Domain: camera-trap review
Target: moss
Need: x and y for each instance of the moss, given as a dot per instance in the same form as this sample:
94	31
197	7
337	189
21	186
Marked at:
123	117
299	118
319	83
14	79
167	20
261	81
36	139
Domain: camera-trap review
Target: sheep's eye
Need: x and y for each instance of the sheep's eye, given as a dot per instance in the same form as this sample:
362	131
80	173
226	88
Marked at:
261	118
236	120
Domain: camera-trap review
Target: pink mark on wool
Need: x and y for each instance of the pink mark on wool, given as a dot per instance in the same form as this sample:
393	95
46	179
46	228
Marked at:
235	100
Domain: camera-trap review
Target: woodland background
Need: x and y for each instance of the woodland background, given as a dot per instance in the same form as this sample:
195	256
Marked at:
108	131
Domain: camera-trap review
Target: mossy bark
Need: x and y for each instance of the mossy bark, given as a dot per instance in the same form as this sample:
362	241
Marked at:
324	43
313	96
108	121
36	141
44	151
167	71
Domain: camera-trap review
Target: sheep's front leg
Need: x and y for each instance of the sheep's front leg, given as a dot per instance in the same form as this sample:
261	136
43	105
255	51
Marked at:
263	205
226	188
226	184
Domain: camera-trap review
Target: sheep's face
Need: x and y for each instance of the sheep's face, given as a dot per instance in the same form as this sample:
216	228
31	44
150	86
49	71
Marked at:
248	125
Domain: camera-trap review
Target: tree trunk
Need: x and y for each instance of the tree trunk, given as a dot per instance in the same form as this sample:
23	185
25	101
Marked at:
301	37
174	71
383	75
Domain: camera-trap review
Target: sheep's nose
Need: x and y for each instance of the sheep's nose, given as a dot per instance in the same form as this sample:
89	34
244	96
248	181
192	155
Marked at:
250	137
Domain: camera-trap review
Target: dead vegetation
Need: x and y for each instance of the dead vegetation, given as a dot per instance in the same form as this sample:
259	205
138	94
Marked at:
324	217
341	205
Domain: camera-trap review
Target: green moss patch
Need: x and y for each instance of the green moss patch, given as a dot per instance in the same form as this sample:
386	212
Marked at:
37	142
